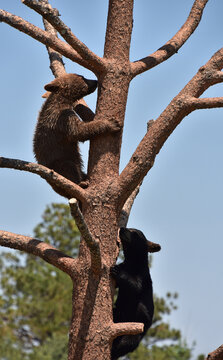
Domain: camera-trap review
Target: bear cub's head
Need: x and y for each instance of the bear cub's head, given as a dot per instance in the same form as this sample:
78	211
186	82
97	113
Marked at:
72	86
135	245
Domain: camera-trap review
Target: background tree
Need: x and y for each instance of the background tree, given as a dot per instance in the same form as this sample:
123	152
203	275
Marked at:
103	202
36	304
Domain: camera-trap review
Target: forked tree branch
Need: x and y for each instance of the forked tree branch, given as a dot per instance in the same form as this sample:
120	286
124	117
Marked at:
160	129
52	16
92	244
47	174
216	354
174	44
42	36
41	249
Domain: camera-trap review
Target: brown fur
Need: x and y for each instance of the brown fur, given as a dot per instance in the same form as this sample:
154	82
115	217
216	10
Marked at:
59	129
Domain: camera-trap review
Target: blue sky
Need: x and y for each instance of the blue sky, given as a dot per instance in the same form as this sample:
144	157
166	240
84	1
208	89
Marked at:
180	204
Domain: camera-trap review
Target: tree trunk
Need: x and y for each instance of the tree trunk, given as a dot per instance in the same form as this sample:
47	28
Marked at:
90	334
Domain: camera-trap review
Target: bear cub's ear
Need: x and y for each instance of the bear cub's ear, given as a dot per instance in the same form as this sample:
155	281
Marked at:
153	247
53	86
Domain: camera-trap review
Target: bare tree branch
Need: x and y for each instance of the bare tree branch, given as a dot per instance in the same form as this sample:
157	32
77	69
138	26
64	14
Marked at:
52	15
47	174
207	103
127	207
174	44
128	328
93	245
41	249
216	354
160	129
56	61
42	36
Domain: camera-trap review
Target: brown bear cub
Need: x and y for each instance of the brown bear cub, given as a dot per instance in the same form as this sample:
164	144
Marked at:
59	129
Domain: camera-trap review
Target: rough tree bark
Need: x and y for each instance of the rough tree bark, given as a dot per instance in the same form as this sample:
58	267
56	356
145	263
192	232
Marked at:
107	202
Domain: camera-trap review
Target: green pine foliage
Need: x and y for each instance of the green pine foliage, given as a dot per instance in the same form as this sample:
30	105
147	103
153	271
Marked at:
54	348
35	302
35	297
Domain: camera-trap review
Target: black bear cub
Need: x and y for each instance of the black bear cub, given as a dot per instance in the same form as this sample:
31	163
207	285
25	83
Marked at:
59	129
135	293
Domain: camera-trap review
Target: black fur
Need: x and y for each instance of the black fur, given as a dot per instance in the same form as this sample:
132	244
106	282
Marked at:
135	296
